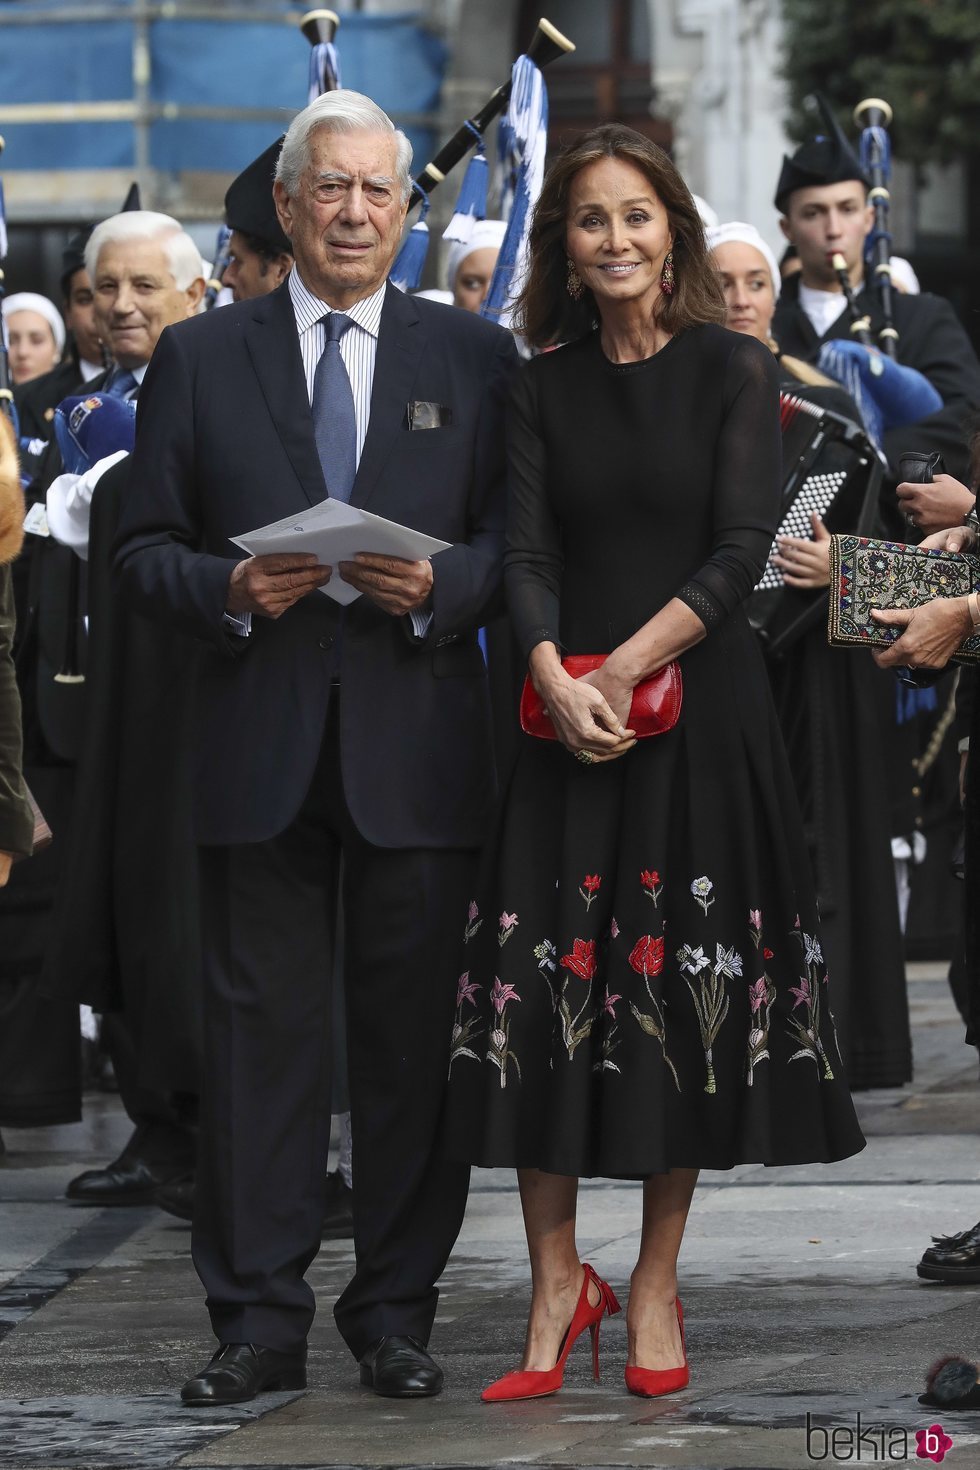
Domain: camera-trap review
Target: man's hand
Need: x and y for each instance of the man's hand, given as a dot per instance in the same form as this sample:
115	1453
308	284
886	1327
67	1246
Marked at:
805	563
932	633
6	863
396	585
268	585
932	507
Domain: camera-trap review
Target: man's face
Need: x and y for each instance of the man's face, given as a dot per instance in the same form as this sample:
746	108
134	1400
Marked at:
345	220
249	274
824	220
136	296
80	316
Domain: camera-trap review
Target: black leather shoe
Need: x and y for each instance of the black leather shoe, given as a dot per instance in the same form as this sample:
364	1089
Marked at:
954	1258
338	1214
128	1181
177	1197
400	1368
240	1370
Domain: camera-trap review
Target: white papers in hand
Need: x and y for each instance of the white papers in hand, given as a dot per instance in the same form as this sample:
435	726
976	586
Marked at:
334	532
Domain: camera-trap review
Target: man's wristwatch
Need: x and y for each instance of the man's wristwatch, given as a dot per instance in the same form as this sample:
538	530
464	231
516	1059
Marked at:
972	520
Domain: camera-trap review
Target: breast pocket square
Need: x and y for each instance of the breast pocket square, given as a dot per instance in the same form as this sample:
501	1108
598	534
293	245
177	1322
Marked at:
429	415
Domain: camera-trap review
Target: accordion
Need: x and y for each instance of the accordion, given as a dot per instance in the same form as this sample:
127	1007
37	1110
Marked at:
831	467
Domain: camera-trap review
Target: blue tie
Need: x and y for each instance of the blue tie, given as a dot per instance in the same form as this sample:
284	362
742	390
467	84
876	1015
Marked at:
334	424
120	383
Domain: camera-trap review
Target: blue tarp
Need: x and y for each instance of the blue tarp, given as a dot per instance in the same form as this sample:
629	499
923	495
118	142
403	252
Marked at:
197	62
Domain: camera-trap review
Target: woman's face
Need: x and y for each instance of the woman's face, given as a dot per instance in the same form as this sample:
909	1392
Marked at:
618	233
747	284
32	348
473	278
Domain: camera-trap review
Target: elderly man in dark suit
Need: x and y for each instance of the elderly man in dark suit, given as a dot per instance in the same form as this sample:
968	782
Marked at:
326	733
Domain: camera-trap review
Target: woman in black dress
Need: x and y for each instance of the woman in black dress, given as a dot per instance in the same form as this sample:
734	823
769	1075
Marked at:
652	998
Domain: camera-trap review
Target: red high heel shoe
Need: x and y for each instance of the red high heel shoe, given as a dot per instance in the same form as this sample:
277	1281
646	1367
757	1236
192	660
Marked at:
535	1383
650	1383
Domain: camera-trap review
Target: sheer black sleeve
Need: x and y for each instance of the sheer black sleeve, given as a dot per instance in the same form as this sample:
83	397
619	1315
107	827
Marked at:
746	486
533	561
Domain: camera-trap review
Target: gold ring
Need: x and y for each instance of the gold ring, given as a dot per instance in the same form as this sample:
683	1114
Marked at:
585	756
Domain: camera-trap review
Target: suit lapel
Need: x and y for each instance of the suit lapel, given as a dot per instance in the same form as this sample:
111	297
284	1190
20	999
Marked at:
273	346
401	338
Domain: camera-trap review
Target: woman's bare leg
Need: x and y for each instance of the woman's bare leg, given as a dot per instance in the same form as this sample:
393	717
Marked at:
548	1202
651	1320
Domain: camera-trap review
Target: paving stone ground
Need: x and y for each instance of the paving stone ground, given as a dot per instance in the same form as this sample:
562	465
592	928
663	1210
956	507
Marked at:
801	1303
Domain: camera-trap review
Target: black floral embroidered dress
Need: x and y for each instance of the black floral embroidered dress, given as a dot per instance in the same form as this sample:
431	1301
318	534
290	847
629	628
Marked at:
644	986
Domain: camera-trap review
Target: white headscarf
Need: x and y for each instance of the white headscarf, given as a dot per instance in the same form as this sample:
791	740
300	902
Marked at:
487	234
31	301
904	276
709	216
737	232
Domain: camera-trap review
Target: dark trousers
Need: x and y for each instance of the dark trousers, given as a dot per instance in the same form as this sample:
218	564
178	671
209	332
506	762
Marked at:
269	916
165	1132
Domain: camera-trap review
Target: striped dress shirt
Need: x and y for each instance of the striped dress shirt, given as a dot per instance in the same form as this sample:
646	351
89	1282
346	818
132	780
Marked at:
358	345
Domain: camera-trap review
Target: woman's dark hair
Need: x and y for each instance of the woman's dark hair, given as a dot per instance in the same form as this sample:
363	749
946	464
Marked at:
544	312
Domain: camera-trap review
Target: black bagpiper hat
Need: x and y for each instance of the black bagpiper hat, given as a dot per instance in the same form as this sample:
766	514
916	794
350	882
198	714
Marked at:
249	206
826	159
73	257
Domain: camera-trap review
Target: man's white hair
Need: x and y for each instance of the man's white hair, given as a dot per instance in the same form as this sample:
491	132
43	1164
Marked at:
339	112
182	254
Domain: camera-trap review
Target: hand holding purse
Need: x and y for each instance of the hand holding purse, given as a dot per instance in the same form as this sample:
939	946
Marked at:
655	709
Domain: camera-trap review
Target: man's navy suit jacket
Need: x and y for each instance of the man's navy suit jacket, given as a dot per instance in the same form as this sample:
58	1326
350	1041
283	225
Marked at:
224	444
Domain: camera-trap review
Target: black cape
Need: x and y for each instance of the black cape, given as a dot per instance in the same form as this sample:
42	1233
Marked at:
836	712
126	931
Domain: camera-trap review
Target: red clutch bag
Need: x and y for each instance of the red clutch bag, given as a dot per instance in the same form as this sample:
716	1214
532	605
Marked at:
655	709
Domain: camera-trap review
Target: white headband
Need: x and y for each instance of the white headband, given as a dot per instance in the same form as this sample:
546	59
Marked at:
739	233
487	234
31	301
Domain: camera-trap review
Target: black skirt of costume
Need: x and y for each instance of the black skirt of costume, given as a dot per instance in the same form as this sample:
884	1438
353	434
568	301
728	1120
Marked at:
837	715
644	984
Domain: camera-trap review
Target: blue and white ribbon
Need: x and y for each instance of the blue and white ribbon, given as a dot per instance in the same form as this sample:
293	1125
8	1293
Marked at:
522	142
324	70
471	206
406	273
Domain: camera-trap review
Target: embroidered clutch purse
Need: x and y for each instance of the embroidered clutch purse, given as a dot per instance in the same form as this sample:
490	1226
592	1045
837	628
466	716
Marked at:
655	709
867	574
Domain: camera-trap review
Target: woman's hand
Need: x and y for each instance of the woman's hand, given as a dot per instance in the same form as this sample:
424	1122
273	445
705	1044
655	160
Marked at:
930	636
957	538
805	563
583	717
615	688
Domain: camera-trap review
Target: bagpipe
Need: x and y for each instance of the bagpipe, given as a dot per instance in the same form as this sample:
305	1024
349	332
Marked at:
829	467
888	393
546	45
522	104
874	117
